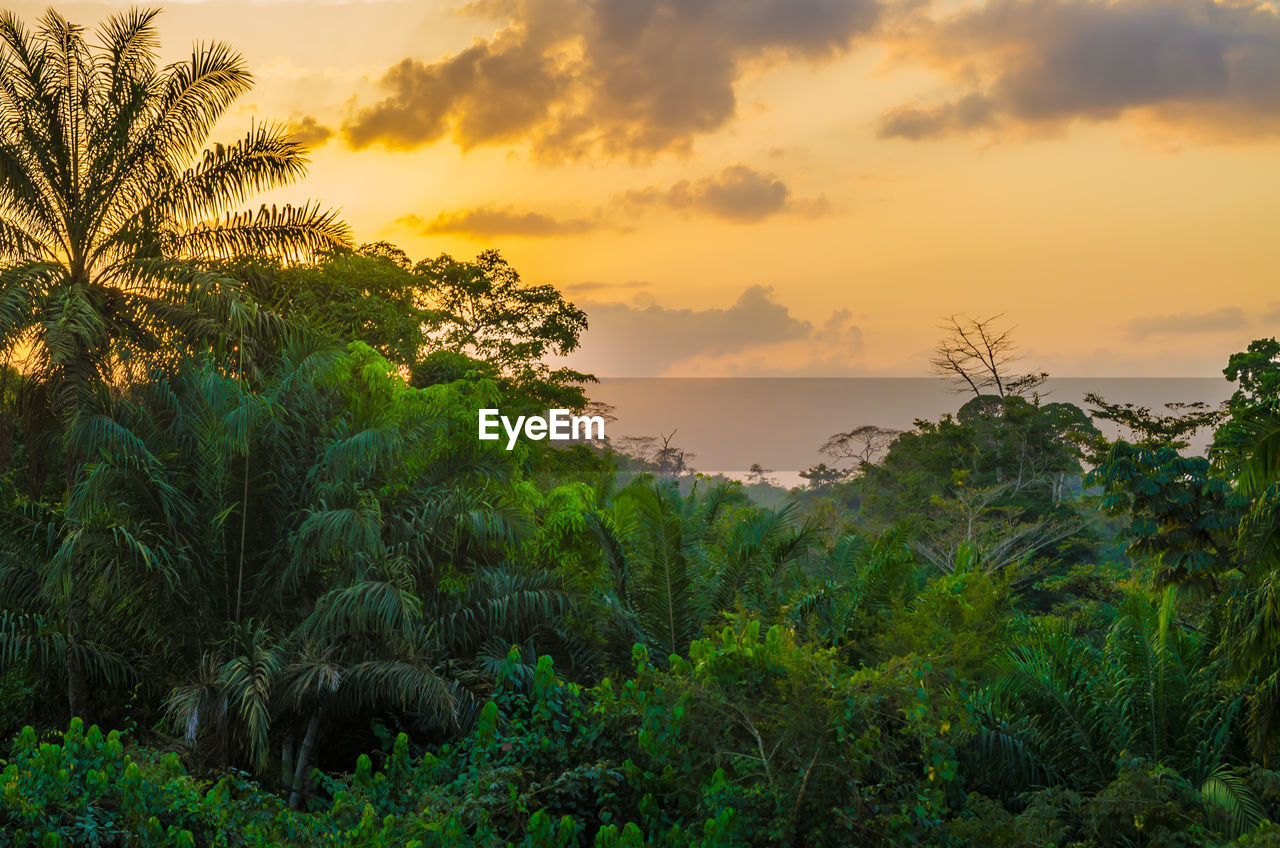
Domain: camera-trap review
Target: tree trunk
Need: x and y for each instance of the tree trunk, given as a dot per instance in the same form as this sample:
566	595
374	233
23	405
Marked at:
304	756
76	690
286	763
244	529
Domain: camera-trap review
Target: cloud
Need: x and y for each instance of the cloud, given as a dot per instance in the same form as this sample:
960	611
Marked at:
1210	68
756	335
973	111
617	78
488	221
309	132
738	194
596	285
1185	323
839	331
644	339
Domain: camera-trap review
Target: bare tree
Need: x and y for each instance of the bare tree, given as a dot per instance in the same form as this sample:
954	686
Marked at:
977	355
671	460
639	448
658	454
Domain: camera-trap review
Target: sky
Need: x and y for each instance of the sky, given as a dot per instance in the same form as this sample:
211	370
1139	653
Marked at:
780	188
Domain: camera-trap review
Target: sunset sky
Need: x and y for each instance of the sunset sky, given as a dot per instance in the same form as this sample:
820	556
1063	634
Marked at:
803	187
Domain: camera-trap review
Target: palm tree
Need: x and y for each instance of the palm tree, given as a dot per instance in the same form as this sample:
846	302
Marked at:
1069	713
374	577
857	585
109	212
674	563
757	561
654	546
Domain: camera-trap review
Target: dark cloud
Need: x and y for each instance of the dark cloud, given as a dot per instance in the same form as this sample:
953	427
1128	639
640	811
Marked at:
487	221
1184	323
1210	67
491	92
626	78
645	338
310	132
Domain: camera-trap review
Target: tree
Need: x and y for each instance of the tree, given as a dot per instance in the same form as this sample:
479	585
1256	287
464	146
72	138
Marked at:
367	295
1253	626
977	354
822	475
1068	712
658	454
439	320
861	445
367	573
483	310
1139	425
107	210
1019	447
675	561
858	586
979	530
1257	370
104	215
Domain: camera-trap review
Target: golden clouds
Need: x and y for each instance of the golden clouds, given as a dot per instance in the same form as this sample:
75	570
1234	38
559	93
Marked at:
617	78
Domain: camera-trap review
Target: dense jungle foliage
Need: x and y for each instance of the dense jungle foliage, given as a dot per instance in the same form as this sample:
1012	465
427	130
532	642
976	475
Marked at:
260	583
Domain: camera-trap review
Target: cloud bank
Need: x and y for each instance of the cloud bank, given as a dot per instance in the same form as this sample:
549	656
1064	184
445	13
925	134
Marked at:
1189	323
755	335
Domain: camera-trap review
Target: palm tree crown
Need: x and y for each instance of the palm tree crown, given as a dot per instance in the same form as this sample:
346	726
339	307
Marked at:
107	206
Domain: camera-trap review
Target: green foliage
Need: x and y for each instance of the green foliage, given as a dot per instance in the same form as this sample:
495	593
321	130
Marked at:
1183	516
1257	371
1066	712
441	320
764	740
86	790
1021	448
243	513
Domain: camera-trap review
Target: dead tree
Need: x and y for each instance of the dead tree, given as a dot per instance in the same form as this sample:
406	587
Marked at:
977	355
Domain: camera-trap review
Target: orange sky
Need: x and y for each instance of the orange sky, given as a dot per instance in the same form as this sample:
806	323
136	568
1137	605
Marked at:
778	187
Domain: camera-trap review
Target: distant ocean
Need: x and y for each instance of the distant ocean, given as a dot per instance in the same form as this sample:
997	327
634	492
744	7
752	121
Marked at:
728	424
